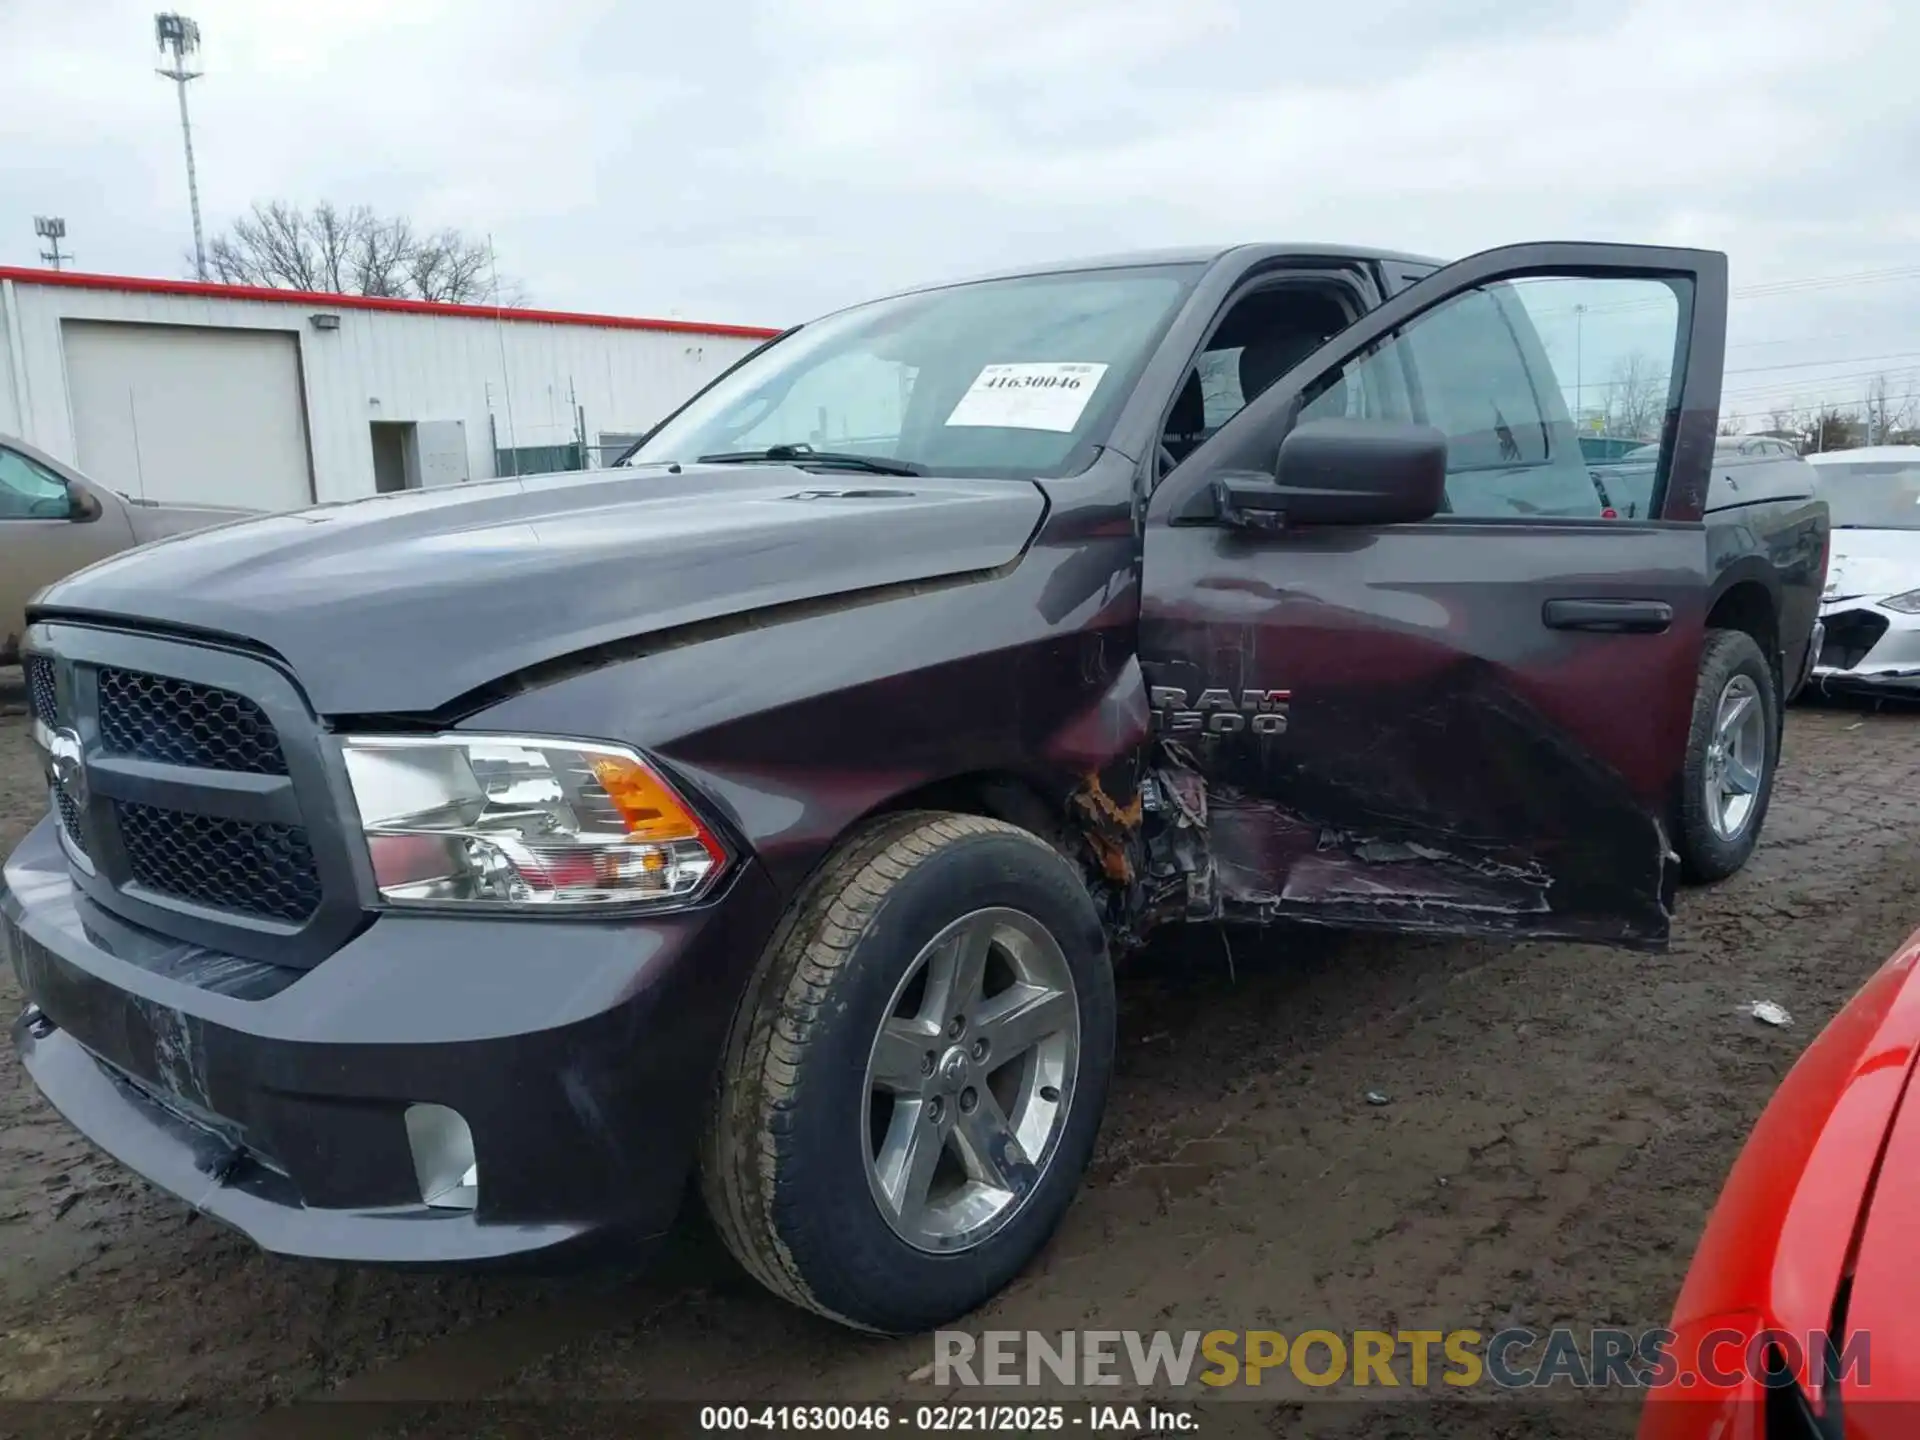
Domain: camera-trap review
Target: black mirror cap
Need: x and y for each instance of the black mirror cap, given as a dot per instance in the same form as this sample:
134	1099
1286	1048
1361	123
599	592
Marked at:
82	504
1361	472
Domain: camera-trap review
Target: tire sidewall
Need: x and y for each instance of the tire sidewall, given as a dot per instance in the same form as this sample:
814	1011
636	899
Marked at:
1706	855
853	1262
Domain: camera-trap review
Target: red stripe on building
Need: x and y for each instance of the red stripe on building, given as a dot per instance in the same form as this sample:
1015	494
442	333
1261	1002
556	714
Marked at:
206	290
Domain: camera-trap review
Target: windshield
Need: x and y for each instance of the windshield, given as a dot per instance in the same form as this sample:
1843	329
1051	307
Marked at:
1873	494
1013	378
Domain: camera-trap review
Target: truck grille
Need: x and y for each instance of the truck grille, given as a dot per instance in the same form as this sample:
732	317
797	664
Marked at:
199	792
227	864
70	820
43	703
180	723
42	699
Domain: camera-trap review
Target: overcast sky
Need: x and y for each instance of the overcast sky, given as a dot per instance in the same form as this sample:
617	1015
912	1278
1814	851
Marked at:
763	160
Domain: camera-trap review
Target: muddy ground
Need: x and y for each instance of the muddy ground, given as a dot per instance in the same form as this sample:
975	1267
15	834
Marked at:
1561	1118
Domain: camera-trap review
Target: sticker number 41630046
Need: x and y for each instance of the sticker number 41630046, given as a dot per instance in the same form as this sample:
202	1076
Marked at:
1050	395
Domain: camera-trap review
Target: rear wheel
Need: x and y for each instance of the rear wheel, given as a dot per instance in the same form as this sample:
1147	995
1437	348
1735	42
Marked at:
915	1076
1731	749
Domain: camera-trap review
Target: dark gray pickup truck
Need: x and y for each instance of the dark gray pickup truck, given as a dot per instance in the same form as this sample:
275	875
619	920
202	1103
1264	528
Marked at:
448	877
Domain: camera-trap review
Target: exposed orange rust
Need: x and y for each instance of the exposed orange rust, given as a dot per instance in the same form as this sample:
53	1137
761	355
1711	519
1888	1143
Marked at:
1110	828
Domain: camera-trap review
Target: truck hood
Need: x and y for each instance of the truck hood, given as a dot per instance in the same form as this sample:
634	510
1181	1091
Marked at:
404	603
1872	562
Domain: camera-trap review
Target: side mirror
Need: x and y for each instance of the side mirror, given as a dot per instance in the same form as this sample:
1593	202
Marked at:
82	504
1343	472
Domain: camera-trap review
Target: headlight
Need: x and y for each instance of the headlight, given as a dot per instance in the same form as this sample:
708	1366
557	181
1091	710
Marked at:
507	821
1907	604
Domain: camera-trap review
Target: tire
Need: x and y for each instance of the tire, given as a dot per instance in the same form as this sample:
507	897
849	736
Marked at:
1730	663
788	1164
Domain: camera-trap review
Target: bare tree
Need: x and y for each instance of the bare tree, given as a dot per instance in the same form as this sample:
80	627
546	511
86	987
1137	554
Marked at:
1636	396
332	235
1890	410
1733	423
446	265
355	252
277	245
1797	423
379	257
1834	428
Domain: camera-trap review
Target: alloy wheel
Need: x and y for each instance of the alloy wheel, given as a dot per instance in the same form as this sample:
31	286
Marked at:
1736	757
970	1079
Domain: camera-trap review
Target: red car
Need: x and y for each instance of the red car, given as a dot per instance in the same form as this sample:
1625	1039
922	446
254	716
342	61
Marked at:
1797	1320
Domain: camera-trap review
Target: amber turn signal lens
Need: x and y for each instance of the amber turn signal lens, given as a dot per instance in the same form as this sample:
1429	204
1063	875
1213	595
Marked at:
652	811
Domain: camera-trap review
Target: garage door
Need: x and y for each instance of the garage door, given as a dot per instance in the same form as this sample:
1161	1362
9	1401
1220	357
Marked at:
171	412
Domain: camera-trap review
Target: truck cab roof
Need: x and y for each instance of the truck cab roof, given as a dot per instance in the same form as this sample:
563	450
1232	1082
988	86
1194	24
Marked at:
1189	255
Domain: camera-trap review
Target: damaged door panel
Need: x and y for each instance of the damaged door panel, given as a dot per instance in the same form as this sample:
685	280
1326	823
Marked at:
1381	724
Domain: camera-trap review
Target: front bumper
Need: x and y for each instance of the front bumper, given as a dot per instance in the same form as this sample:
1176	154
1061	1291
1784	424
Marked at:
1868	649
580	1053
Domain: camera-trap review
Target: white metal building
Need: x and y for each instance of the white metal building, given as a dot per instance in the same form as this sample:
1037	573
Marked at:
272	399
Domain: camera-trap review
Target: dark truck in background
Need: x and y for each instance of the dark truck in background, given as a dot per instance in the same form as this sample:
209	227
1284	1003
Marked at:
447	877
1759	491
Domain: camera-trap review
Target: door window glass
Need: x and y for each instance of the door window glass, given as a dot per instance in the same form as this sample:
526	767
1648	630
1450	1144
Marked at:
1515	375
29	491
1220	385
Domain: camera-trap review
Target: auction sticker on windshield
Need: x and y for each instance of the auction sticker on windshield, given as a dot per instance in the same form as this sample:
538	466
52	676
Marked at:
1046	396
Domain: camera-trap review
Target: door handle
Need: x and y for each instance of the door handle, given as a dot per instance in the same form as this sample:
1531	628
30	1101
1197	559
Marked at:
1617	617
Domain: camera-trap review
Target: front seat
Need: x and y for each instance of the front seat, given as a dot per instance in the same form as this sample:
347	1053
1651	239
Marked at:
1268	357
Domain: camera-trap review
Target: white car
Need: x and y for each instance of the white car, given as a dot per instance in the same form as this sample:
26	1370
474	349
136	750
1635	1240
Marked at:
1871	606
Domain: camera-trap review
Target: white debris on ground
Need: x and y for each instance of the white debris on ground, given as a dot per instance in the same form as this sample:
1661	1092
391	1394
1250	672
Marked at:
1768	1013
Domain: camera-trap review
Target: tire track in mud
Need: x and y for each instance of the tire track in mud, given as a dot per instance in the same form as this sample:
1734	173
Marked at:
1580	1106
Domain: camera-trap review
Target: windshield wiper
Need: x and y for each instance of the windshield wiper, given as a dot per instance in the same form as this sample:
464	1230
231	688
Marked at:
801	453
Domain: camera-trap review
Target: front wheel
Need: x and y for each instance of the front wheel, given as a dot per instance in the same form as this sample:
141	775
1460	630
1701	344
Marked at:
1731	749
915	1077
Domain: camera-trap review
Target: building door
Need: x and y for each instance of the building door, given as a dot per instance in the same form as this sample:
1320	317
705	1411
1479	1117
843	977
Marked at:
190	415
391	441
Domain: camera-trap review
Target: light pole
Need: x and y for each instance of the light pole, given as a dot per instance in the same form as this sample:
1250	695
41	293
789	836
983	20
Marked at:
52	229
180	36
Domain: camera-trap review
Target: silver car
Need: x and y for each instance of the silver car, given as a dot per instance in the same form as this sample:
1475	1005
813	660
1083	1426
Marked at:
54	521
1871	607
